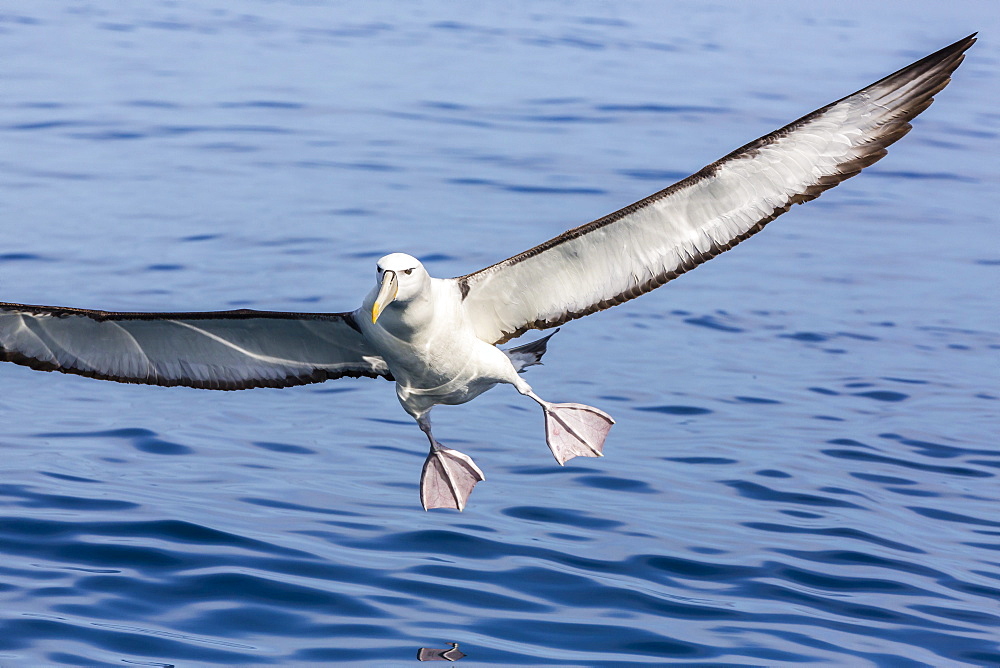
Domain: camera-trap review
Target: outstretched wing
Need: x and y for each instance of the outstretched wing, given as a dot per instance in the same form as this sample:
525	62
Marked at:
223	350
646	244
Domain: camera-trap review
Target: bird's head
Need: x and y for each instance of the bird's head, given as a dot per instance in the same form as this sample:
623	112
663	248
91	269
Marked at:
401	277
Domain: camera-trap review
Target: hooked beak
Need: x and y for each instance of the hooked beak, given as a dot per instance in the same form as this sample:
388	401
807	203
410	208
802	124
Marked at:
386	293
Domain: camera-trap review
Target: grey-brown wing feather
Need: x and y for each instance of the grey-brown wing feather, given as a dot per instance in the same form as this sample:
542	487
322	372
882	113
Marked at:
641	247
223	350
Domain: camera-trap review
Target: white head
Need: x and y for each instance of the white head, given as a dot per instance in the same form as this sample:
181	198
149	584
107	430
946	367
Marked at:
401	277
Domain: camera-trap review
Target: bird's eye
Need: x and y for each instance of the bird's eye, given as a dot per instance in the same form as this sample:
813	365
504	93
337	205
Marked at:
407	271
380	270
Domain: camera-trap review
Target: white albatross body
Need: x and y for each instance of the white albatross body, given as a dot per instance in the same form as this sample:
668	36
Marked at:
427	342
419	326
437	338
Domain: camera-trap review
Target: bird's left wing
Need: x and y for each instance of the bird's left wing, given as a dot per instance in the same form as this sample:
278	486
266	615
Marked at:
223	350
641	247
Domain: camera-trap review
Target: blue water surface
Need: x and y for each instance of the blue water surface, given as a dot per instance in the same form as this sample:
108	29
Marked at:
806	464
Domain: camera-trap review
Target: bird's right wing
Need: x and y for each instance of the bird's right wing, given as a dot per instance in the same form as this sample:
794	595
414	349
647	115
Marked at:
222	350
641	247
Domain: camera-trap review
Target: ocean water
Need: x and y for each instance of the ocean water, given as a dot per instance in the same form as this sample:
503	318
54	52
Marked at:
806	463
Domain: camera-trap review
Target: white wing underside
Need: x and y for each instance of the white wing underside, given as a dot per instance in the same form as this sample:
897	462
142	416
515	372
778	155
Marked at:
642	246
225	350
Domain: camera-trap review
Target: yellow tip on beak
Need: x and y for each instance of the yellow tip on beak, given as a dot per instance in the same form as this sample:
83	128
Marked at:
386	293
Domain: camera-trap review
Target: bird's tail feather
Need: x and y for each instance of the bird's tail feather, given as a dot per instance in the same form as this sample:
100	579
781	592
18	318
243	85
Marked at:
529	354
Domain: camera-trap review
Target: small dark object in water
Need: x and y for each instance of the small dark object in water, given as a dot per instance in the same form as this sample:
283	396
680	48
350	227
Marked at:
426	654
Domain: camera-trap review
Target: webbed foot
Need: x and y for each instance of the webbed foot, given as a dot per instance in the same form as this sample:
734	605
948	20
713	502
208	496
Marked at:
448	478
575	430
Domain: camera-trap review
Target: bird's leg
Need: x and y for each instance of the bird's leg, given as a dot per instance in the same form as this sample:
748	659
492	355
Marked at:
448	476
572	430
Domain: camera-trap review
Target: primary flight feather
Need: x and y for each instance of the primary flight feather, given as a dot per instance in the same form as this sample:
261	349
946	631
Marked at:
437	338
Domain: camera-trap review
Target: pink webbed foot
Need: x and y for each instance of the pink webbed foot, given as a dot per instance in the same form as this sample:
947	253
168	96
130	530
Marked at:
448	478
575	430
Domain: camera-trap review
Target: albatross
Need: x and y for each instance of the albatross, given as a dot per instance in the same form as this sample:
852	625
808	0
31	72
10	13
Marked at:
437	338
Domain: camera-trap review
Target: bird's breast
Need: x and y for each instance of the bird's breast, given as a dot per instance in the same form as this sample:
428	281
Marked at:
433	353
